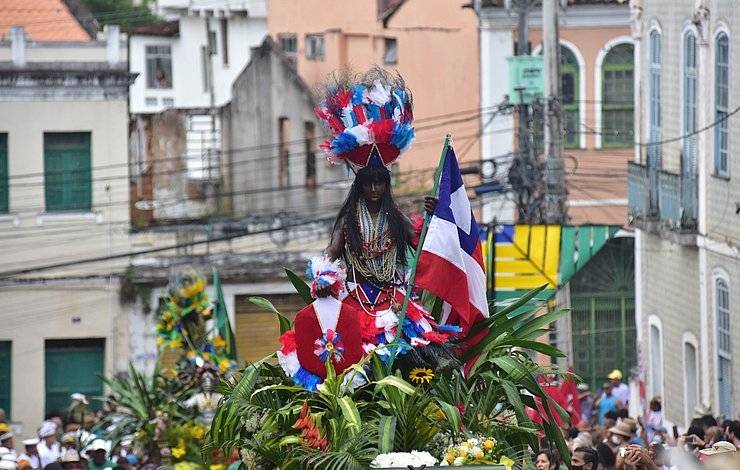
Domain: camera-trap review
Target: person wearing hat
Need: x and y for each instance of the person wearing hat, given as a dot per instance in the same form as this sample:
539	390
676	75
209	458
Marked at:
606	402
48	448
7	461
586	398
6	439
619	436
77	410
29	459
620	390
69	441
97	452
72	461
722	455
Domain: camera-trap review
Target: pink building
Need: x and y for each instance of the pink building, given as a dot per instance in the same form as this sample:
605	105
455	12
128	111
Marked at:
432	43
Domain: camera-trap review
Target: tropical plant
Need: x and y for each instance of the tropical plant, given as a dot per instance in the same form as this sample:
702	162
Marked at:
341	427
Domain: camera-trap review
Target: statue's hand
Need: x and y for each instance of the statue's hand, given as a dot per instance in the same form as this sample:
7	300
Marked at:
430	203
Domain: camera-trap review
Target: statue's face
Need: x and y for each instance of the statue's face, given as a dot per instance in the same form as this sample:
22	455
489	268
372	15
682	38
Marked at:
207	382
374	190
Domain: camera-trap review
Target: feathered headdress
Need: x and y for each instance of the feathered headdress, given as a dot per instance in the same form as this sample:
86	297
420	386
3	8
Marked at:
369	119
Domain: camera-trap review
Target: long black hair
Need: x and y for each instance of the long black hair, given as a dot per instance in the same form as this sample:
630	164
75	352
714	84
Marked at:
397	222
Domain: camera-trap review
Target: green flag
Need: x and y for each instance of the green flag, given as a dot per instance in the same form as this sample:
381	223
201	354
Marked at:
222	318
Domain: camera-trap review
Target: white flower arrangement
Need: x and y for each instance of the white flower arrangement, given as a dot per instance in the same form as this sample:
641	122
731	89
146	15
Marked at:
404	459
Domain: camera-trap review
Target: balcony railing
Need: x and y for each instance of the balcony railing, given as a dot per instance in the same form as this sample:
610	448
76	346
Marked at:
677	200
663	197
638	191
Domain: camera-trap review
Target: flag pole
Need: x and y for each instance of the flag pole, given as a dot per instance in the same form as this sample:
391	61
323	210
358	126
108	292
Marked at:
414	262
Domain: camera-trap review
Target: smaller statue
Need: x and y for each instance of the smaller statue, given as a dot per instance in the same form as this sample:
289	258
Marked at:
206	401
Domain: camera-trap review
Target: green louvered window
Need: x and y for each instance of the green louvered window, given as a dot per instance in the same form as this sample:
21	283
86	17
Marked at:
618	91
67	171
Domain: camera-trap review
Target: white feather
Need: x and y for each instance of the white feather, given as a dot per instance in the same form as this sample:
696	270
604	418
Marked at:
379	94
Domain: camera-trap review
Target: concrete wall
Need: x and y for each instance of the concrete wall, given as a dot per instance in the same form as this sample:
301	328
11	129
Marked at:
265	92
187	66
56	310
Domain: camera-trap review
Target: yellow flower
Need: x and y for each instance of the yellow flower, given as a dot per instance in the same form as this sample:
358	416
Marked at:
217	466
176	343
479	455
450	457
219	342
420	375
197	432
463	451
178	452
224	365
506	462
488	444
206	355
160	341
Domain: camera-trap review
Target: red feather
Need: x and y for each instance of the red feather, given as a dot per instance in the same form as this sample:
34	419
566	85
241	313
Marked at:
382	130
287	342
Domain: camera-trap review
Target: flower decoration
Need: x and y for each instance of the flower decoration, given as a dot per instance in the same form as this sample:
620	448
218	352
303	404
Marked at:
413	459
475	451
323	272
421	375
329	346
309	432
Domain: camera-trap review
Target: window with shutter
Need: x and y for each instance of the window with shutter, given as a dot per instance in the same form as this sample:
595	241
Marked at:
618	92
4	197
67	171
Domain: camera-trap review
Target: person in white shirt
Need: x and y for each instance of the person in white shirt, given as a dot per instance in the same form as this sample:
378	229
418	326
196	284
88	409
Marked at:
29	460
49	449
6	439
621	391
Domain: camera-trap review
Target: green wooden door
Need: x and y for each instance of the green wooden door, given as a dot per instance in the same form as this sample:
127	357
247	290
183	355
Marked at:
5	348
73	366
67	171
3	173
604	335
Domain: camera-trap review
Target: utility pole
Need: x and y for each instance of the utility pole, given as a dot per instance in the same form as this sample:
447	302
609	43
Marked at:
555	194
524	161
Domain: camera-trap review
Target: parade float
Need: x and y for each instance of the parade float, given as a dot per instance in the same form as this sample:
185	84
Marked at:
397	359
163	417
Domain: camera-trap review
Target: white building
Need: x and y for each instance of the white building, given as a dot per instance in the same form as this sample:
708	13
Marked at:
685	201
192	61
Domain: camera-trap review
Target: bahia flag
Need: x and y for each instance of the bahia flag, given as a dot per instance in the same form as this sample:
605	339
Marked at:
451	261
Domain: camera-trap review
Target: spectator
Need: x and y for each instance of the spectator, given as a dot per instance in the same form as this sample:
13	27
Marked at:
635	439
606	402
587	402
73	461
722	454
654	418
547	460
77	411
584	458
620	436
69	441
733	432
7	461
712	435
583	438
49	449
6	439
98	456
607	459
29	459
621	390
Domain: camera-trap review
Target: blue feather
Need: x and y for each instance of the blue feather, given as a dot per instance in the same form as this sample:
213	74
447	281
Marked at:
373	112
306	379
344	142
358	94
402	136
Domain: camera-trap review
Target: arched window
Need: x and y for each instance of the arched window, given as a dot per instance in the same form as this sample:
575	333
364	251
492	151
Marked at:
724	347
618	97
690	380
688	165
656	362
570	92
721	103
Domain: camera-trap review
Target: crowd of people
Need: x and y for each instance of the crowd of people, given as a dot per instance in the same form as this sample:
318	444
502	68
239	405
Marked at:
65	441
603	436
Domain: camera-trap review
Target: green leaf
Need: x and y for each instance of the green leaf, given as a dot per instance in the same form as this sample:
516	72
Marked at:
304	290
285	324
386	433
475	329
289	388
288	440
539	322
397	383
452	414
537	346
350	413
513	397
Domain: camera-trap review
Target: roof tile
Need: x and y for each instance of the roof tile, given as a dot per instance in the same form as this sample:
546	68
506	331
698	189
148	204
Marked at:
43	20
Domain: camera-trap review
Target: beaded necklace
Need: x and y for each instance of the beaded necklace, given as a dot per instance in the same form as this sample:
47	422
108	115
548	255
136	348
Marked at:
378	258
